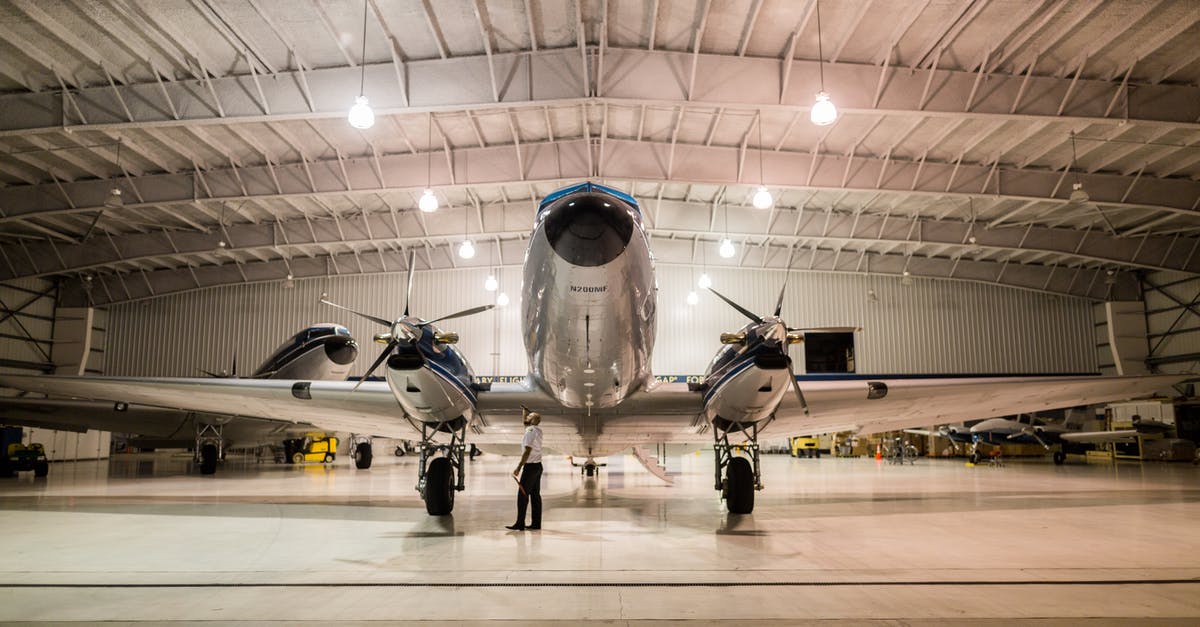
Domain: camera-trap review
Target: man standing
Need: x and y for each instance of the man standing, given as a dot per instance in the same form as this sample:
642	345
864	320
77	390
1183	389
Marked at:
529	469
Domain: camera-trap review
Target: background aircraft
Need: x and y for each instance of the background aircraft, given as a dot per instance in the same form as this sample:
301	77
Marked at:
589	308
1032	429
322	352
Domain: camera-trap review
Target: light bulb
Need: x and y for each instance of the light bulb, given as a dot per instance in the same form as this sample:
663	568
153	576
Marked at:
490	284
466	250
428	202
361	116
692	298
762	198
823	111
727	250
704	281
502	300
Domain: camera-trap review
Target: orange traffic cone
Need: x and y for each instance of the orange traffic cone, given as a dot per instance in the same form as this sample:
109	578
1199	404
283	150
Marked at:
878	450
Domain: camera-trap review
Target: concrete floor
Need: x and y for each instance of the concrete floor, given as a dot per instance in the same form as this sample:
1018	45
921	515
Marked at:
143	538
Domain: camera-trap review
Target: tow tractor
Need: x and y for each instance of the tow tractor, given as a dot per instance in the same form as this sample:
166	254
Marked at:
19	457
313	447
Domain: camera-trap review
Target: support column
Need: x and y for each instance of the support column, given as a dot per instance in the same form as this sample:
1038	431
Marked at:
1127	336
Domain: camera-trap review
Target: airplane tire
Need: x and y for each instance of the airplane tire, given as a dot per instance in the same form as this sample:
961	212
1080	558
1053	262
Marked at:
329	458
208	459
363	455
1059	458
41	468
439	488
400	452
297	458
739	486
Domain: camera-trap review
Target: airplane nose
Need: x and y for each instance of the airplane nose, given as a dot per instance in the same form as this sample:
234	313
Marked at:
589	229
341	350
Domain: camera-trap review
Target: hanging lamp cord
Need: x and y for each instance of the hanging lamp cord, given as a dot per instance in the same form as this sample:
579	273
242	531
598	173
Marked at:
820	51
362	74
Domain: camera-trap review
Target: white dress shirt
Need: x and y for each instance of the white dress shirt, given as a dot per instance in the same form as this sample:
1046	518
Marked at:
533	439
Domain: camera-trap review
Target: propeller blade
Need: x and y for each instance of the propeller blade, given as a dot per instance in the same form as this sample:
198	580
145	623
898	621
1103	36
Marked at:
382	356
742	310
796	386
459	314
412	260
825	329
209	373
779	303
386	323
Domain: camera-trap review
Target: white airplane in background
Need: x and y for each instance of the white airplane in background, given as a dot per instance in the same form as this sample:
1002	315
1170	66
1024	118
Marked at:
589	323
323	351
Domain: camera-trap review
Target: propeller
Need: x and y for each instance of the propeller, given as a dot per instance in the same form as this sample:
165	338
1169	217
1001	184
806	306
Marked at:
223	374
759	319
403	328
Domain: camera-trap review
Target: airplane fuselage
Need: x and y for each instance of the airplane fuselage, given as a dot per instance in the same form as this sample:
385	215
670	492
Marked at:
589	298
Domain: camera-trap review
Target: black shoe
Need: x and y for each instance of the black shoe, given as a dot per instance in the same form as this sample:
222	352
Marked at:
518	527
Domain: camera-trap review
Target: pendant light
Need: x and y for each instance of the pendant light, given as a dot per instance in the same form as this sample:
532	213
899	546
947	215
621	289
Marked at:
692	298
490	283
762	197
114	199
361	116
502	300
823	112
467	249
726	249
705	282
428	202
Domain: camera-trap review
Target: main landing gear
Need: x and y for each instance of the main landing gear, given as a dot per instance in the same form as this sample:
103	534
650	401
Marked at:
361	446
210	441
742	476
442	471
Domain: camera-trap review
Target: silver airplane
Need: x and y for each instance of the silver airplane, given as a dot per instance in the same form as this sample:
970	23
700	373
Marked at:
323	351
589	323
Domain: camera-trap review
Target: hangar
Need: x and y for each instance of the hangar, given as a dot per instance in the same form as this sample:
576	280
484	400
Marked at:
975	187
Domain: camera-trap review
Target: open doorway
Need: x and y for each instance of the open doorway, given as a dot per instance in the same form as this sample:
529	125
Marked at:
828	352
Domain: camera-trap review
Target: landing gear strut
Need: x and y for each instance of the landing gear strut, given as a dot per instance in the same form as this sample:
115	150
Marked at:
361	447
439	477
742	476
210	441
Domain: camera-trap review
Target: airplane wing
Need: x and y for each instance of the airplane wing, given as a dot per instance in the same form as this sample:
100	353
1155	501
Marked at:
329	405
875	405
1096	437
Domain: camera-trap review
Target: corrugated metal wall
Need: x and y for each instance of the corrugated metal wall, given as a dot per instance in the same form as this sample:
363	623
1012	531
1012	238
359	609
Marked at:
927	327
36	318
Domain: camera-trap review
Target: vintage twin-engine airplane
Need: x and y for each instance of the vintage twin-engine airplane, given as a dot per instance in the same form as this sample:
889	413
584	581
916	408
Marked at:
589	314
1031	429
319	352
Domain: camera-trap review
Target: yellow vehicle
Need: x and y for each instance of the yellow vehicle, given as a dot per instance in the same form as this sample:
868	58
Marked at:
806	447
313	447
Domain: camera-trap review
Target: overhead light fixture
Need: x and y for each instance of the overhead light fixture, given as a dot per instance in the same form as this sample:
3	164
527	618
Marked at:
114	199
466	250
428	202
727	250
762	198
490	283
692	298
361	116
872	297
906	278
823	112
502	300
705	282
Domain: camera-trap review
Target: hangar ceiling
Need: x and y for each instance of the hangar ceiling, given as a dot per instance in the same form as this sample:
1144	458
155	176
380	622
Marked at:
964	126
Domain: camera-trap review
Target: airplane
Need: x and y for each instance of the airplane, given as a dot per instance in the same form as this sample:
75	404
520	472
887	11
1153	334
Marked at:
589	305
323	351
1028	428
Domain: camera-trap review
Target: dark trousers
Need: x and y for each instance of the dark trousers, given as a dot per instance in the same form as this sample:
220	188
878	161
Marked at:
531	481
